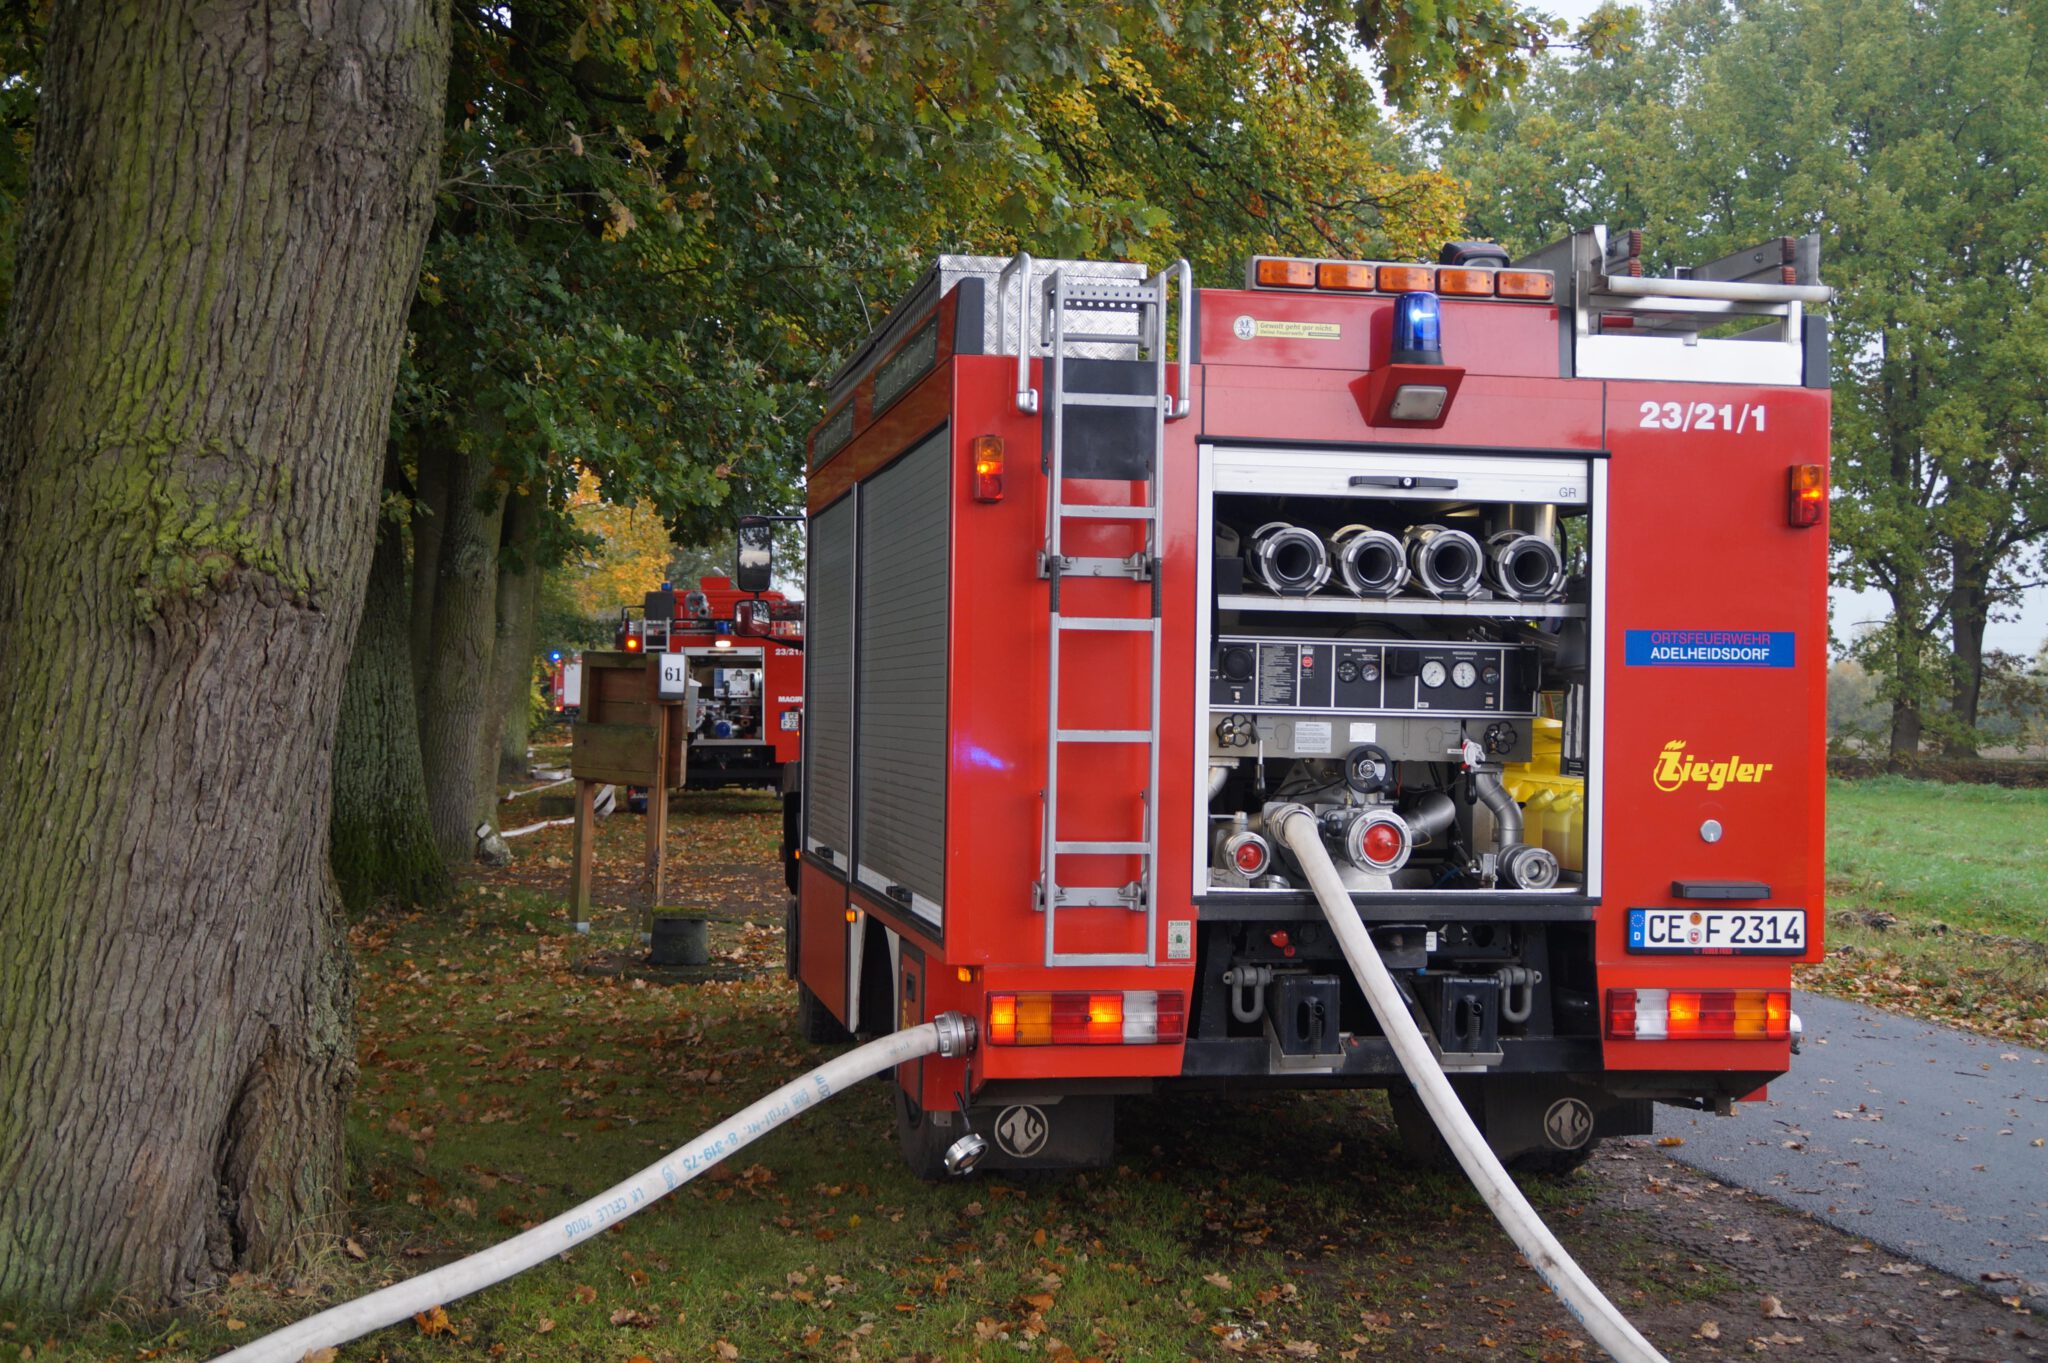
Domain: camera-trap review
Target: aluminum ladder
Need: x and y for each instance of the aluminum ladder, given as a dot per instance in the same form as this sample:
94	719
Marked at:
1115	315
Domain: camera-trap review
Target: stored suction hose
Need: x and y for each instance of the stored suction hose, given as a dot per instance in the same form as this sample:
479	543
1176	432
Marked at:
1296	827
949	1035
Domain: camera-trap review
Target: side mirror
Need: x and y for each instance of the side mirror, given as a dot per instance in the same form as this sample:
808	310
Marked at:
751	619
754	556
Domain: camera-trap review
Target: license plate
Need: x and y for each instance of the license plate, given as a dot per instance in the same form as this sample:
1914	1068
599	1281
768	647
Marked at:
1721	932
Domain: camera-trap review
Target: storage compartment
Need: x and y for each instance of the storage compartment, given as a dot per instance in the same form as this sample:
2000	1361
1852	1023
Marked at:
1400	642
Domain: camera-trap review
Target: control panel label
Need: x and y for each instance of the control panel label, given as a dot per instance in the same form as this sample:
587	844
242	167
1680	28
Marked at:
1311	737
1708	648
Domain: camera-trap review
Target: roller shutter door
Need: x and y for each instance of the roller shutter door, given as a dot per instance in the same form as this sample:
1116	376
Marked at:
828	687
900	747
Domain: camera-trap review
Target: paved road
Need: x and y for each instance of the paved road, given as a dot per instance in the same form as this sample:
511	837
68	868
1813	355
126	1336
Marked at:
1927	1141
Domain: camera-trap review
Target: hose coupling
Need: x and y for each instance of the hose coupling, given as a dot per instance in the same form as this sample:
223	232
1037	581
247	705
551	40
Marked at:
957	1034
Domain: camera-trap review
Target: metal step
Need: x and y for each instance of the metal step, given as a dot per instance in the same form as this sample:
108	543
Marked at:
1137	567
1104	735
1084	848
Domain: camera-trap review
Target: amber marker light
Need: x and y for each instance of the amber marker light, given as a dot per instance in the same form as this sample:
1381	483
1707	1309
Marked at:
1406	278
1463	283
1285	274
987	453
1341	275
1536	285
1806	495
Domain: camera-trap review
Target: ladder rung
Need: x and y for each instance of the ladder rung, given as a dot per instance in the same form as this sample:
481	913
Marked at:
1080	296
1100	512
1137	624
1143	401
1105	735
1104	337
1102	849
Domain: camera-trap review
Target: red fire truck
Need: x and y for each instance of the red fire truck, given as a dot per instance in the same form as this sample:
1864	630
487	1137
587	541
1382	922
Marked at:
1512	572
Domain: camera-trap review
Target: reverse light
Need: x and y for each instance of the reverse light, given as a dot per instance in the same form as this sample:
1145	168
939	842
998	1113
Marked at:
1286	274
721	643
1699	1014
1806	495
1418	328
987	453
1129	1017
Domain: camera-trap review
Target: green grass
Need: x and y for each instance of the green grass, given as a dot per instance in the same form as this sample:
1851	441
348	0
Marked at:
1969	856
1937	905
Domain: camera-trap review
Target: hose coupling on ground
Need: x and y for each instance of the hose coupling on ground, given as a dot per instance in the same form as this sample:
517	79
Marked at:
957	1034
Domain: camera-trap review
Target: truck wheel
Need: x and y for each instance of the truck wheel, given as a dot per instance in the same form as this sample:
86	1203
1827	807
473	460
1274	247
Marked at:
815	1021
923	1142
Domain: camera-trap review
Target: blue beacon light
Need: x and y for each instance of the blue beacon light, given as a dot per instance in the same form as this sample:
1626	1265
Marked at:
1418	329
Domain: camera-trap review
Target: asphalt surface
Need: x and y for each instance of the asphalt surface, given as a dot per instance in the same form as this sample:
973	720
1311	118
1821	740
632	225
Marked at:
1927	1141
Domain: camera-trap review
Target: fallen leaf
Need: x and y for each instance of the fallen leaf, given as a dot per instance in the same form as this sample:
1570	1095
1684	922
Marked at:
625	1315
233	1324
352	1249
1221	1280
1670	1142
543	1325
727	1352
1708	1330
1774	1309
584	1293
434	1321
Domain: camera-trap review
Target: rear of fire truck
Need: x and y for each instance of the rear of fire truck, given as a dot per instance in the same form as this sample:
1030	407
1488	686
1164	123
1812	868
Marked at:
1512	572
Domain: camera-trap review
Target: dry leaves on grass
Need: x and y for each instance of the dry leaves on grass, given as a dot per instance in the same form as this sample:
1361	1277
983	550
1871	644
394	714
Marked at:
434	1321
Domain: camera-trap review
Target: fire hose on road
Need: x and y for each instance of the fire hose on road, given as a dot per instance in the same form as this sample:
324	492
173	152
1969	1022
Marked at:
950	1034
1296	826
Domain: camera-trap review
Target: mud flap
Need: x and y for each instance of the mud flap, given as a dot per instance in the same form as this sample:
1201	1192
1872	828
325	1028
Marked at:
1538	1121
1043	1133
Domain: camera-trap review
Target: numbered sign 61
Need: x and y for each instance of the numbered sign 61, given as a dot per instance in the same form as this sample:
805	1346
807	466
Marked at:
672	673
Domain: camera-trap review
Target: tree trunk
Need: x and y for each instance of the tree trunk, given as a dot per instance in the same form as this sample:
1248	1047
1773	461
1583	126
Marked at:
223	227
1969	616
383	842
518	597
455	722
429	516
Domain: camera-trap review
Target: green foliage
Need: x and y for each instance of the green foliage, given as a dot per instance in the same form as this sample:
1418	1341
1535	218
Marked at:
1915	139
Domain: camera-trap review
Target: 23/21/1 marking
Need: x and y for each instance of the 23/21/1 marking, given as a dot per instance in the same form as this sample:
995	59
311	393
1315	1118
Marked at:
1741	418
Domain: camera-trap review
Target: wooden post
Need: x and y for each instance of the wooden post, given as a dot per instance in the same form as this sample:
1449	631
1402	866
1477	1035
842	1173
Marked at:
586	853
657	815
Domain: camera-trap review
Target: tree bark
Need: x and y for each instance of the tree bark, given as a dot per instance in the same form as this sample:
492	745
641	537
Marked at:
1969	616
383	843
455	737
224	224
429	516
512	654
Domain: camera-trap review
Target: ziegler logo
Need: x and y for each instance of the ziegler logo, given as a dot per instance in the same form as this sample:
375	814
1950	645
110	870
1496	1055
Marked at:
1677	768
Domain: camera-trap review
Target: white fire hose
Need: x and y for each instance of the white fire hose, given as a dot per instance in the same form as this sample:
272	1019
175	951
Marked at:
950	1034
1295	826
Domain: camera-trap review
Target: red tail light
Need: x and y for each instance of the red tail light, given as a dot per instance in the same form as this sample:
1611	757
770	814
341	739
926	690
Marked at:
1699	1014
1129	1017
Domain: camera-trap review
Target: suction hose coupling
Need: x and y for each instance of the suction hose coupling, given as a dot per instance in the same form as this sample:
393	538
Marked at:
958	1035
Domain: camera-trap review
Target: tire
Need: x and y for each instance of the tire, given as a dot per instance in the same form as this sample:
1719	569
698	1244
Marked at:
923	1144
1548	1163
814	1021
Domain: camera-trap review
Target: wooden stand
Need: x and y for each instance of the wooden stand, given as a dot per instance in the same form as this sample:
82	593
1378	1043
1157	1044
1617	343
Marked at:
629	735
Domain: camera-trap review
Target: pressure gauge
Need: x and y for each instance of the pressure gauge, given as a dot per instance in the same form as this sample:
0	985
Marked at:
1463	675
1369	671
1347	671
1432	673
